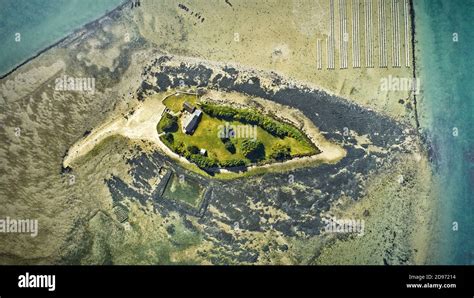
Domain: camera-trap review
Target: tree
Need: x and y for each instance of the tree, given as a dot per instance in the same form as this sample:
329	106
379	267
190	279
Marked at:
168	123
253	149
280	152
193	149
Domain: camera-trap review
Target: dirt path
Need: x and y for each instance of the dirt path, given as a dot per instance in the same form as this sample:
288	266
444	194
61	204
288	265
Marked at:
141	125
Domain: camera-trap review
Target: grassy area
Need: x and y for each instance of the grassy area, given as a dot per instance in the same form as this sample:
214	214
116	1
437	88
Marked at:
185	191
175	102
207	137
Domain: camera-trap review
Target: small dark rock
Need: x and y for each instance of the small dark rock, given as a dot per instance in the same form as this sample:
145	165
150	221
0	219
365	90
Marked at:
170	229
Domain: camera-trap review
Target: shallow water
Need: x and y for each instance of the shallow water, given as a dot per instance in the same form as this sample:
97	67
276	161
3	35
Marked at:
41	23
447	107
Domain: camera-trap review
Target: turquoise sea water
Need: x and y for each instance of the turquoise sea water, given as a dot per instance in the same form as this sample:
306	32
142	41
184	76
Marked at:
446	72
41	23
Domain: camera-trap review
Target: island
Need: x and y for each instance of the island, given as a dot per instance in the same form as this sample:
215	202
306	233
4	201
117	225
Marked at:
216	136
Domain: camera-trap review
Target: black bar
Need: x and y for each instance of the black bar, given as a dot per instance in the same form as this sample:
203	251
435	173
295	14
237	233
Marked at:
135	281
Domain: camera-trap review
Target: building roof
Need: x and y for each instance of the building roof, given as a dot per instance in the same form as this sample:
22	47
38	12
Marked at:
190	124
188	107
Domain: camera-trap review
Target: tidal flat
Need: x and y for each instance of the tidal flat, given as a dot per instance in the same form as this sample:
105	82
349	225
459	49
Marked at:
272	217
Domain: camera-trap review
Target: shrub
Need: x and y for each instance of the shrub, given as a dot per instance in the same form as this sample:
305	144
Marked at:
168	123
180	148
203	161
253	149
233	163
280	152
193	149
168	137
219	112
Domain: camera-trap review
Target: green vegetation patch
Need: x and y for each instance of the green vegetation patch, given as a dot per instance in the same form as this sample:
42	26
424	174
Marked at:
168	123
184	190
175	102
247	116
267	139
254	150
280	152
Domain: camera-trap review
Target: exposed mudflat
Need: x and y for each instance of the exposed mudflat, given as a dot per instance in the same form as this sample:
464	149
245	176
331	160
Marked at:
300	195
111	206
